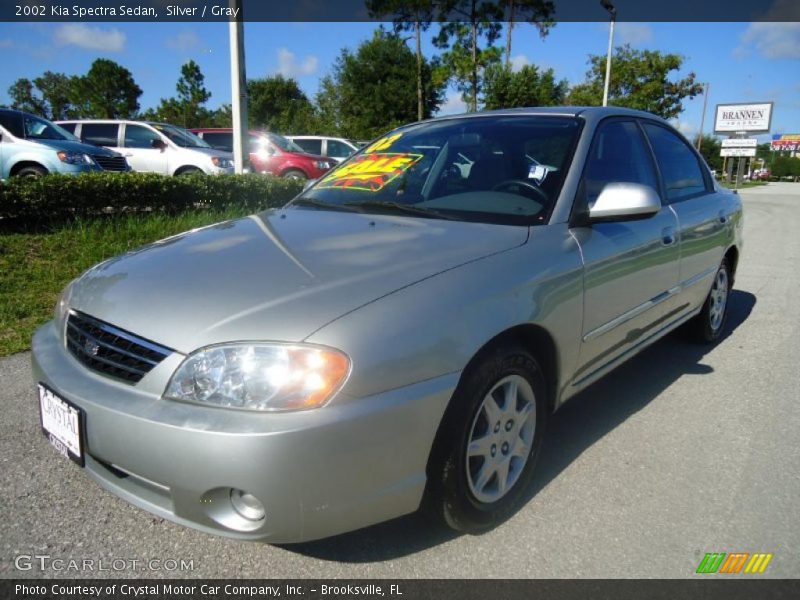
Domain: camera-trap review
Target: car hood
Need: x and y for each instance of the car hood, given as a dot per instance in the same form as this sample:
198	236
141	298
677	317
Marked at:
71	146
307	156
280	275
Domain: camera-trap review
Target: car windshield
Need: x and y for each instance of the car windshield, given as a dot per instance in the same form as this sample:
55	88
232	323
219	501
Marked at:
494	169
182	137
284	144
35	128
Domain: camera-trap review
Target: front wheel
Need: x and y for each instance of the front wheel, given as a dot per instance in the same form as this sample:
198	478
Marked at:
295	175
707	327
32	172
486	449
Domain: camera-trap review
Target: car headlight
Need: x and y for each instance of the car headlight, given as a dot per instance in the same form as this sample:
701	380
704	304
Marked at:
322	164
61	309
222	163
74	158
256	376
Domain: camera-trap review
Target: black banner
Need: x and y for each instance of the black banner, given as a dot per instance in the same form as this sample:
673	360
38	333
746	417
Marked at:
733	588
357	10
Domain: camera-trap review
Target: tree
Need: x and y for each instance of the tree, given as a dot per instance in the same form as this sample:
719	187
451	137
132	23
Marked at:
535	12
528	87
465	60
710	149
409	15
57	92
107	91
23	97
639	79
187	109
370	91
278	104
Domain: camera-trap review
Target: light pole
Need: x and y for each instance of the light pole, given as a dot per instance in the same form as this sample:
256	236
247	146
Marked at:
238	88
612	10
703	116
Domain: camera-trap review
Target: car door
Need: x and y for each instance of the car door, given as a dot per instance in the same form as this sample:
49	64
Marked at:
630	266
138	149
702	218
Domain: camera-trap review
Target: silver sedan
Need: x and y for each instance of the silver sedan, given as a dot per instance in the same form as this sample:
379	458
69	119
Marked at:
396	337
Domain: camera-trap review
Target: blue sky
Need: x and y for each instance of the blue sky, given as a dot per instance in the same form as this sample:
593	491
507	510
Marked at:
741	61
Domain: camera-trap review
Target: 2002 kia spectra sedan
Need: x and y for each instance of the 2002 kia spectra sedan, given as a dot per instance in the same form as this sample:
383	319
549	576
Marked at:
397	335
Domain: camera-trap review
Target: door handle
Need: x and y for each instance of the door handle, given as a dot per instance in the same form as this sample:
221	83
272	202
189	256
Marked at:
668	236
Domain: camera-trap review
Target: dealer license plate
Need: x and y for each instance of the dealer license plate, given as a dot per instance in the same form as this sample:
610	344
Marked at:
62	424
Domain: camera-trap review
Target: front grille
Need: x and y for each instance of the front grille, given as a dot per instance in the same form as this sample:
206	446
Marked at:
111	163
111	351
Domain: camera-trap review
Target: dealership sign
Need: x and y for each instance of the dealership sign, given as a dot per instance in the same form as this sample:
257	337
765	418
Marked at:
789	142
740	143
748	152
731	118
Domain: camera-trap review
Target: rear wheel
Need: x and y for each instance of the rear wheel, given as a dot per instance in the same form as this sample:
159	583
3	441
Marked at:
188	171
295	174
31	172
707	327
486	449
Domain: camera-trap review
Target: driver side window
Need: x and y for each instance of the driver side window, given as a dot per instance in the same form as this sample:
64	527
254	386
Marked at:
618	155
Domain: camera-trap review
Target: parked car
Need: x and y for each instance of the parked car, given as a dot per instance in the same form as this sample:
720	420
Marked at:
153	147
271	153
331	147
395	337
31	147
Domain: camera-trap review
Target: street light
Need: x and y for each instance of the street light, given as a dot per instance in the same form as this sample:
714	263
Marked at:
612	10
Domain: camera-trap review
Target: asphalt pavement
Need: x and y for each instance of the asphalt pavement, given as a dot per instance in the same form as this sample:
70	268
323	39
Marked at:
682	451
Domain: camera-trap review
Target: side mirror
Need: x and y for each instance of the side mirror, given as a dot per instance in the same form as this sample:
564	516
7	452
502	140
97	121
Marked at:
625	202
159	145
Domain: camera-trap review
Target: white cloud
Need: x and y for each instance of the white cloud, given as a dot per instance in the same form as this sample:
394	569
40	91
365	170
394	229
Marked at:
185	40
289	66
91	38
519	61
452	105
633	33
686	128
6	43
771	40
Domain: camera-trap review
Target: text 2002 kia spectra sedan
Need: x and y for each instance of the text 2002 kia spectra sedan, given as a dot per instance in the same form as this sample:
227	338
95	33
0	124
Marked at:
396	336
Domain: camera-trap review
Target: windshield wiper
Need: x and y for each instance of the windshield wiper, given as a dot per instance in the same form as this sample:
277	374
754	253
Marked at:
323	205
410	209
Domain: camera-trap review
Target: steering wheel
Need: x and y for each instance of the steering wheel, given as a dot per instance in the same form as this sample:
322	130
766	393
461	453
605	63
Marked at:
537	196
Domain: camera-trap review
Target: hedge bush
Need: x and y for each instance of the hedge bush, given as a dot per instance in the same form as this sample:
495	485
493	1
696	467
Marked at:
55	196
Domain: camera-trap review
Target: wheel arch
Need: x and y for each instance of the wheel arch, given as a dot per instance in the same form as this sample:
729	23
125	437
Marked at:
732	256
17	167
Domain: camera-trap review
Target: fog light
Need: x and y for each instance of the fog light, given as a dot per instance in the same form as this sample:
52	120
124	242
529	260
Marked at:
247	505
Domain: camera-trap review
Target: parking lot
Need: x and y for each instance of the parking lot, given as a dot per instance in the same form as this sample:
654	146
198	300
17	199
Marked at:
682	451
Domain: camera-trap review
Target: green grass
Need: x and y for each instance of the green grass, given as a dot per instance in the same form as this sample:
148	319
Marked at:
35	267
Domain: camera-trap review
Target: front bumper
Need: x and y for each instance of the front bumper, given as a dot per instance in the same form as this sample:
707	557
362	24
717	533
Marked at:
352	463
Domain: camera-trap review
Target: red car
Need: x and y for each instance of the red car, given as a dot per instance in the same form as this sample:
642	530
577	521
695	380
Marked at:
271	153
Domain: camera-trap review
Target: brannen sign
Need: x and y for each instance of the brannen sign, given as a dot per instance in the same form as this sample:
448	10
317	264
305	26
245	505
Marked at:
743	117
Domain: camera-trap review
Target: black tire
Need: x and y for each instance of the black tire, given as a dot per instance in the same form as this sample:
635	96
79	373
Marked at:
295	174
704	328
449	496
188	171
31	172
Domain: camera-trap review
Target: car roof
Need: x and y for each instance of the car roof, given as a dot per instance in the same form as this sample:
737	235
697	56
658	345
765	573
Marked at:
587	112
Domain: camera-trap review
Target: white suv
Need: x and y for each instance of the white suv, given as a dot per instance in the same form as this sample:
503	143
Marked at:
330	147
153	147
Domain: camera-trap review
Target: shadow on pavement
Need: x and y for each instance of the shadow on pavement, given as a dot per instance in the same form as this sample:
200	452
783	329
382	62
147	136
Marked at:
577	426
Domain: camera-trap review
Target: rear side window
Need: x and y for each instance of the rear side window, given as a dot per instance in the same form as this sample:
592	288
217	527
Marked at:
219	140
337	148
100	134
680	169
137	136
619	155
310	146
12	123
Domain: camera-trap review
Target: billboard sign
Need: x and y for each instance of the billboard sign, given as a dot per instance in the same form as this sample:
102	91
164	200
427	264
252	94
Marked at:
731	118
789	142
